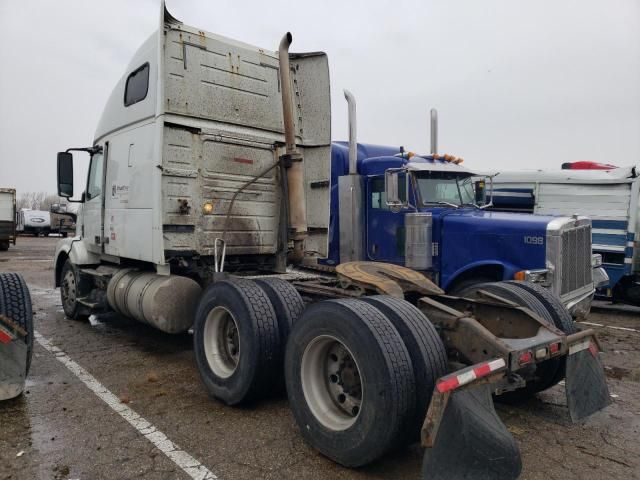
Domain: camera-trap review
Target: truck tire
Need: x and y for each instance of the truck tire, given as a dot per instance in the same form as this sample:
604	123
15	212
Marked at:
4	246
15	303
547	371
236	341
286	301
461	286
70	290
349	381
562	319
426	350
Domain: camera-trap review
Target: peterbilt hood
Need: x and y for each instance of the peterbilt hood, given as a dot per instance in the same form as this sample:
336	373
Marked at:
511	241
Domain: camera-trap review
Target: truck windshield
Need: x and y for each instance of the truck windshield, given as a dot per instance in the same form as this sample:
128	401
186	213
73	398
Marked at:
444	188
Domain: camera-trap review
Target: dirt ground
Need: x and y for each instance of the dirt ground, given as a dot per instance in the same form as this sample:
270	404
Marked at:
60	429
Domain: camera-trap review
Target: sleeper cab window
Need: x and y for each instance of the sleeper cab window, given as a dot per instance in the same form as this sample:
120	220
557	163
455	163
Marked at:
137	85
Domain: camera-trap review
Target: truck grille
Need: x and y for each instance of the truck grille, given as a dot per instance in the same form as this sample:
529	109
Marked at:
576	259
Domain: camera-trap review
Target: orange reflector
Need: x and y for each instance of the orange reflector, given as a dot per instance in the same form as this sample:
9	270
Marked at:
520	275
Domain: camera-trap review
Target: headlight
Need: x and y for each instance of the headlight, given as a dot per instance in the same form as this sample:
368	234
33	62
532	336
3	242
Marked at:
535	276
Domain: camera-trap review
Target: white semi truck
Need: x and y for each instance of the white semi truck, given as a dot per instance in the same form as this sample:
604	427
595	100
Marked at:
207	205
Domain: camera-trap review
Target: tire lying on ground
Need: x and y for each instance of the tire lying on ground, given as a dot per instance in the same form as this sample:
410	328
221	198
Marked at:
425	348
15	303
236	341
546	372
349	381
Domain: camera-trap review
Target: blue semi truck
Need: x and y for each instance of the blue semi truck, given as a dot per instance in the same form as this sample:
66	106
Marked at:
438	223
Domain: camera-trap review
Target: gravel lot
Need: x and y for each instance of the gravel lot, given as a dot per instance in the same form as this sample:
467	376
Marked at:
61	429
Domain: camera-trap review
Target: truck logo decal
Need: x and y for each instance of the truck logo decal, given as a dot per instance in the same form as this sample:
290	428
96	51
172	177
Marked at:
531	240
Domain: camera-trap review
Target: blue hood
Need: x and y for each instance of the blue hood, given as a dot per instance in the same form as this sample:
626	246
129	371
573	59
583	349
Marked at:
470	238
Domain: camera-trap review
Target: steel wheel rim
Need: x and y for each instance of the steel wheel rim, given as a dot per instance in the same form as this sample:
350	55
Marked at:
221	342
69	290
331	383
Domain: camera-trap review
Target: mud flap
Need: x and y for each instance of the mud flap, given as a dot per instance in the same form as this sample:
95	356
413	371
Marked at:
471	441
585	382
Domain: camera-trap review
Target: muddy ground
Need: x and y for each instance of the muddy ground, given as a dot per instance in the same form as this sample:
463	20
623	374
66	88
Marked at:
60	429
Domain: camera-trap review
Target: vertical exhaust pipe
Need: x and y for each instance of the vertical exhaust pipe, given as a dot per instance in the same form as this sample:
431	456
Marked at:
292	158
434	131
353	131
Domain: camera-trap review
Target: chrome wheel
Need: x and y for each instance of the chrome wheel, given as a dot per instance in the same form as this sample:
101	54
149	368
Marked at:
68	291
331	382
221	342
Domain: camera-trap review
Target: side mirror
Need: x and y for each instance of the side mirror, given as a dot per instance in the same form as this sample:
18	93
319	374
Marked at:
65	174
392	188
481	193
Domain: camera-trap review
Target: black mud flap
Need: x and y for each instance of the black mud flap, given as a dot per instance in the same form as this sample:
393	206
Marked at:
585	384
472	442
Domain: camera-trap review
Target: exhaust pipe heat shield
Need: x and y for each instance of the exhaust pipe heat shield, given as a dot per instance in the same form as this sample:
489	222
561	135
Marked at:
472	442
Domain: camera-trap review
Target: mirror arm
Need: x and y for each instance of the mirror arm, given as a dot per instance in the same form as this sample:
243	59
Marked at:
90	150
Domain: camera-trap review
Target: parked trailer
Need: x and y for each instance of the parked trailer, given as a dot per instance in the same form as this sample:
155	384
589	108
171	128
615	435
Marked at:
209	174
33	222
609	197
7	218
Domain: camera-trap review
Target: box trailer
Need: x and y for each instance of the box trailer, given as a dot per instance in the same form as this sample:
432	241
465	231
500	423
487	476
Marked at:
7	218
609	197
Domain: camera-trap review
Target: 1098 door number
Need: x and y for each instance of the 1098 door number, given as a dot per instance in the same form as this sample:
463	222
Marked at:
530	240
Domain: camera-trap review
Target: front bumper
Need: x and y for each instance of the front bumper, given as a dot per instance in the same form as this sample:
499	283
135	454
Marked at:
580	305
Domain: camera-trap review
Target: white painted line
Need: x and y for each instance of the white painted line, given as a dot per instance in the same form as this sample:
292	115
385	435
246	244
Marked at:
182	459
625	329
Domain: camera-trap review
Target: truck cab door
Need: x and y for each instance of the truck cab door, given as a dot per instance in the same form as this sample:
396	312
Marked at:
93	208
385	229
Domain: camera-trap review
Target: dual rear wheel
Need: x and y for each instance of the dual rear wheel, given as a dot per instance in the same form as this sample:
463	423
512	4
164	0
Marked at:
359	374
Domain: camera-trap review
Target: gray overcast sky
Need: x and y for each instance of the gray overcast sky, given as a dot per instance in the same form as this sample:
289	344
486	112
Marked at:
518	84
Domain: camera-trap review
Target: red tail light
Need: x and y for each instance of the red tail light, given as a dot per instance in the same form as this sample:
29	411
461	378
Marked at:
525	357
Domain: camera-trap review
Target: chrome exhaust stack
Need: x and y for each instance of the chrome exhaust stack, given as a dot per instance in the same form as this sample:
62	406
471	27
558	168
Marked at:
434	131
350	196
292	159
353	142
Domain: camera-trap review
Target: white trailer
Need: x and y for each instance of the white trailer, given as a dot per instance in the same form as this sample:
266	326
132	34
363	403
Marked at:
33	222
7	218
207	204
609	197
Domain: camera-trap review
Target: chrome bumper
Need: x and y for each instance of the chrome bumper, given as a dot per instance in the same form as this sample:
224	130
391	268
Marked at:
579	306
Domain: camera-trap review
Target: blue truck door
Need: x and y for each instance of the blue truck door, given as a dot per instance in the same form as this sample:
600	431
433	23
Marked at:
385	229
